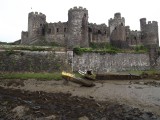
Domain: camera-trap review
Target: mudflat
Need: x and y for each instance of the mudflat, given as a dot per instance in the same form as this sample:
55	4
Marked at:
107	100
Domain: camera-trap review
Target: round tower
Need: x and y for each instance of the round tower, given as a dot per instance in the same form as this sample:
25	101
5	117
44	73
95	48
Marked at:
116	21
77	28
117	15
142	23
35	22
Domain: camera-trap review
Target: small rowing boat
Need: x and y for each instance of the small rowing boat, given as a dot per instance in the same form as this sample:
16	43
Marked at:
71	77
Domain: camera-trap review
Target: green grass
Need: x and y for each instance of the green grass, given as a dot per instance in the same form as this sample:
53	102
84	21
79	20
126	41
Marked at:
38	76
31	48
97	48
103	48
140	49
80	51
139	72
151	72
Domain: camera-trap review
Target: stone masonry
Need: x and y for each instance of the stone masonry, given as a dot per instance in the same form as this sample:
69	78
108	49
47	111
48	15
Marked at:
52	61
78	32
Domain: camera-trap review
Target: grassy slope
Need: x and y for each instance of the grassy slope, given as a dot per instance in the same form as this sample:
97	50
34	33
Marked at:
39	76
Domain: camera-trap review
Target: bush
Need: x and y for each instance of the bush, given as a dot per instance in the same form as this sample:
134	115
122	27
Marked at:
80	51
10	52
100	45
140	49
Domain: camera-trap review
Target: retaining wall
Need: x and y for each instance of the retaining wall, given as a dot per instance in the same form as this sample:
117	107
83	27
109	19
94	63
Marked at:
35	61
103	63
45	61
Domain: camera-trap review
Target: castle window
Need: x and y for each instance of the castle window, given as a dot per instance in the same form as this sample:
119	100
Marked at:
65	29
89	29
49	31
84	14
57	30
43	31
105	32
121	24
142	36
40	24
99	32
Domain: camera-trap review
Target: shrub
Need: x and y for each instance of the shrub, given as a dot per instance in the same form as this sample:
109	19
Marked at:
140	49
100	45
10	52
80	51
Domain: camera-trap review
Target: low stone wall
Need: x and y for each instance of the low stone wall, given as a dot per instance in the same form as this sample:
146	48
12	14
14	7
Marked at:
35	61
45	61
158	63
103	63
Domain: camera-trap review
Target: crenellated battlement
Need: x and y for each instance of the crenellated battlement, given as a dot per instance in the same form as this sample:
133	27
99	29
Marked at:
36	14
143	19
148	24
127	27
152	23
117	15
98	26
77	9
57	23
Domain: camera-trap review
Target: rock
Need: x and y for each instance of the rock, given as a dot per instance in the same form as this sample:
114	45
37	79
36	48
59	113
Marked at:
83	118
20	111
104	118
52	117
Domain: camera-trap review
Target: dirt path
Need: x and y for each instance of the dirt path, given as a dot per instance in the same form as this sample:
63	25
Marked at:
120	98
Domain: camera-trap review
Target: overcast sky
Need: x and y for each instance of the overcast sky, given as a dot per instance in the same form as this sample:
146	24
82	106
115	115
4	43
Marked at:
14	13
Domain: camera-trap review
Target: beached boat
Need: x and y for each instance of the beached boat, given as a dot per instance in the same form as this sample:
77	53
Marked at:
87	74
71	77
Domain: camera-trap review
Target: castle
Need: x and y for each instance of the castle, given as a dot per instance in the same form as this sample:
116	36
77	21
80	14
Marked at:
78	32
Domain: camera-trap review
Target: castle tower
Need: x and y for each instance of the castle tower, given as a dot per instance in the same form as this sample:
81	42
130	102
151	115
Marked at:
142	23
149	32
118	31
116	21
77	28
35	23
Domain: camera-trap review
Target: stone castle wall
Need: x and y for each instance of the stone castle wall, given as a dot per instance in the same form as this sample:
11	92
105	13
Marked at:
118	37
56	33
158	63
24	37
98	33
27	61
134	38
111	62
